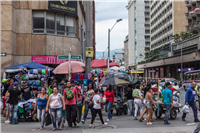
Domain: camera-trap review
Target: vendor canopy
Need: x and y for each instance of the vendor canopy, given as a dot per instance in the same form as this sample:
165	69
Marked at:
119	75
102	63
32	65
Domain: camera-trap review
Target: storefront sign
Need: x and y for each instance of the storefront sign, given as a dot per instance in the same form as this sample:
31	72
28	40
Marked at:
185	69
64	6
49	60
89	51
61	57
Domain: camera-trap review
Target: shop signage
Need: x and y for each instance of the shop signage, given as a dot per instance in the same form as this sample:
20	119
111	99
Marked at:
3	54
185	69
61	57
49	59
64	6
89	52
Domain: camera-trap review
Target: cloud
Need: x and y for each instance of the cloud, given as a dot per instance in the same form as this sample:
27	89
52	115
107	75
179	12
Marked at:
108	13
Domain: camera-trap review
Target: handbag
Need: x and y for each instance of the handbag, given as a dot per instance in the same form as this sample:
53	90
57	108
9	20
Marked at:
104	99
47	119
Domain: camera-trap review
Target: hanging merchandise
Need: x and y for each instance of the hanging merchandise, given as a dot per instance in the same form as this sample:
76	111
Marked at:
85	76
105	72
89	76
81	76
85	82
97	72
43	71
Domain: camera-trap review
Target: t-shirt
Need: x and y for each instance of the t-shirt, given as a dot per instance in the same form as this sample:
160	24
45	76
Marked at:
89	95
26	93
73	101
97	105
14	93
6	85
167	93
173	89
129	95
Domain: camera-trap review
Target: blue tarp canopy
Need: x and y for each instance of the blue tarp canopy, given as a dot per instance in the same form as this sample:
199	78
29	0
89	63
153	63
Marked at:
32	65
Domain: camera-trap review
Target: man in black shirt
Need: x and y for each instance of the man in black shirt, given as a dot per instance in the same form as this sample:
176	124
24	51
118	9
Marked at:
26	91
130	99
13	93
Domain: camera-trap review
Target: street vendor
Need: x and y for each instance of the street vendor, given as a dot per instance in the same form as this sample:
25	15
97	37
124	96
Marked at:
26	91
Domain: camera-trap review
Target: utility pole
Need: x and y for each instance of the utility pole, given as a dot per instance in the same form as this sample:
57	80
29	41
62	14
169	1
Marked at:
70	64
181	62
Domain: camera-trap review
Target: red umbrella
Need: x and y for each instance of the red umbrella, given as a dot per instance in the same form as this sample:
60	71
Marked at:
63	68
102	63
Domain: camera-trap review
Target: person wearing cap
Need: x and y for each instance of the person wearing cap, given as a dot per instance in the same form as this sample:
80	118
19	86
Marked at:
13	93
190	100
168	101
26	91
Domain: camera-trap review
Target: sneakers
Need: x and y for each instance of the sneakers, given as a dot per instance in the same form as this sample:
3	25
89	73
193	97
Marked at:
60	128
197	120
83	121
91	126
54	129
149	123
108	120
7	121
166	123
104	125
183	119
140	120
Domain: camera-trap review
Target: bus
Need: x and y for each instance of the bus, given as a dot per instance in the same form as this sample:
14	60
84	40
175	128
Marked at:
189	77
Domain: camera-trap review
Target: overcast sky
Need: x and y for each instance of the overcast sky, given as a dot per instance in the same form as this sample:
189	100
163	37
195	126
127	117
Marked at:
106	15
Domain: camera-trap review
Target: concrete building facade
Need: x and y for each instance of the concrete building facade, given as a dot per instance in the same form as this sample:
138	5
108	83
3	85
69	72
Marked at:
167	19
139	30
35	31
126	52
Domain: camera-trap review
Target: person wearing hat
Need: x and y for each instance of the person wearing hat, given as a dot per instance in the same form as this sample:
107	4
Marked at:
168	101
26	91
13	93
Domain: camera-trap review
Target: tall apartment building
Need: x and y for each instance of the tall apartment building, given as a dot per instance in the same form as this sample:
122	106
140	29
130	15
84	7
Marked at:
193	15
167	19
41	30
139	30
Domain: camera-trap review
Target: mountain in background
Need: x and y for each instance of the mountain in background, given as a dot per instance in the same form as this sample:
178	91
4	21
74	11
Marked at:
112	52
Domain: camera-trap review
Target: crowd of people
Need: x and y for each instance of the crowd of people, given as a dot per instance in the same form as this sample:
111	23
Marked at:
141	97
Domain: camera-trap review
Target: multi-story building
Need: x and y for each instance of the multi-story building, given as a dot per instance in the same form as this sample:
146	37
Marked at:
167	19
118	57
41	30
126	52
139	30
193	15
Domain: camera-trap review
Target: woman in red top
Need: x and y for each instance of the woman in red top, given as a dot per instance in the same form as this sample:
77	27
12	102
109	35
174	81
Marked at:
109	100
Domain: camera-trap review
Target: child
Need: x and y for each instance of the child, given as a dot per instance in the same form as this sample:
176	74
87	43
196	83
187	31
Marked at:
97	108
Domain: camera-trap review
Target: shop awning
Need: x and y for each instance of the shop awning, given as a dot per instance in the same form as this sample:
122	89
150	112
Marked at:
137	71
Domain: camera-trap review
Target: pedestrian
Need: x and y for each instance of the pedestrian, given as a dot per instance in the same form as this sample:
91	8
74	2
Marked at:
41	103
168	101
109	100
26	91
97	108
137	100
197	128
79	91
129	95
149	105
13	94
190	100
88	101
57	104
71	97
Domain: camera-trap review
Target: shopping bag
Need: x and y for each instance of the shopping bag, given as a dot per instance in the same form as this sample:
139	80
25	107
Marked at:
47	119
104	99
186	109
50	91
79	113
83	109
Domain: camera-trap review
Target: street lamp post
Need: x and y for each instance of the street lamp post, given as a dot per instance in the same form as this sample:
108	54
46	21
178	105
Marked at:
109	30
181	63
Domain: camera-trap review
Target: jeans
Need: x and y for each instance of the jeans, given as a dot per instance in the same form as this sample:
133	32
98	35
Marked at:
197	128
138	104
11	107
194	108
130	106
167	112
95	112
56	113
41	115
86	110
109	105
71	114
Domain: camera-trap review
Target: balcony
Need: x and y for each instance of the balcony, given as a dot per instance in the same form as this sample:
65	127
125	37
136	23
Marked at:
147	9
147	39
147	27
147	22
193	1
188	3
147	45
188	16
193	26
147	33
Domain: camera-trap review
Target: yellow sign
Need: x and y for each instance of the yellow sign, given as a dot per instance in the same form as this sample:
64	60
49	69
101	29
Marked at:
89	51
89	48
64	2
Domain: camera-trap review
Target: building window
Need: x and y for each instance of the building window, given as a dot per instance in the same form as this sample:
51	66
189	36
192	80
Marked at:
38	22
54	23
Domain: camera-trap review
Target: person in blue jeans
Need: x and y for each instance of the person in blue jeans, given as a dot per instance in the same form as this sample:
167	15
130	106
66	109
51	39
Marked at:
88	101
57	103
190	100
109	100
41	103
13	94
168	101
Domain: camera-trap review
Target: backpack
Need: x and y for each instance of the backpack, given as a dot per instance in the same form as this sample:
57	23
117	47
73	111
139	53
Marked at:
69	94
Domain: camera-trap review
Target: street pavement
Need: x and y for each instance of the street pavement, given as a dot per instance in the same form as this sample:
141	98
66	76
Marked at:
119	124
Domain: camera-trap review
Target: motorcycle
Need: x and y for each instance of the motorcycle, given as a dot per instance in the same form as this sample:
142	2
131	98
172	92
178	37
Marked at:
119	107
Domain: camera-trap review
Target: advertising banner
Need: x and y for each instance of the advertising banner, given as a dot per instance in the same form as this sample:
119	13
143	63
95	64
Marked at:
49	60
